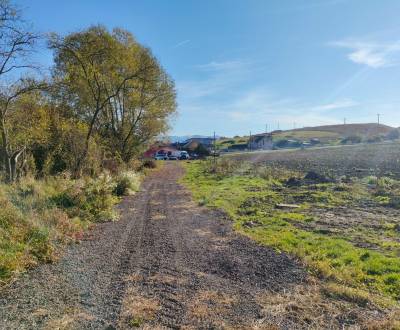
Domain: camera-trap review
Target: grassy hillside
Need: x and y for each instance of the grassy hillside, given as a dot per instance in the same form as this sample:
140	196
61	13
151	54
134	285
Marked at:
229	142
305	135
370	129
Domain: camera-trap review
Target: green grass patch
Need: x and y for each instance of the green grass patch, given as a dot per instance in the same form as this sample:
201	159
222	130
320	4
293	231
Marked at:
248	197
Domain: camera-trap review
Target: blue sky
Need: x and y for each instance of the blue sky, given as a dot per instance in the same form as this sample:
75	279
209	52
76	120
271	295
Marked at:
242	64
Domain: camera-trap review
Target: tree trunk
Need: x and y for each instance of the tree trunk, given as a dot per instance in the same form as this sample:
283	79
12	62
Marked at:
12	164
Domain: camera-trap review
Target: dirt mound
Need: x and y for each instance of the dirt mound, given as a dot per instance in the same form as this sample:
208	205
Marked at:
314	177
294	182
311	177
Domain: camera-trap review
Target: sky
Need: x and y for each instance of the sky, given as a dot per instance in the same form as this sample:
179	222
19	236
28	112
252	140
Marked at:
252	65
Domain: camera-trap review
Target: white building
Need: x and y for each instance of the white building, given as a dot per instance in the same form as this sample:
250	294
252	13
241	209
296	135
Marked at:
260	142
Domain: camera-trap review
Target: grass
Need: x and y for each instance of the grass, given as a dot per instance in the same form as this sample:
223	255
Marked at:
39	216
324	136
249	195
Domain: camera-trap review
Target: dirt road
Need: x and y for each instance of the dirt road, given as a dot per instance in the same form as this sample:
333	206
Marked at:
166	264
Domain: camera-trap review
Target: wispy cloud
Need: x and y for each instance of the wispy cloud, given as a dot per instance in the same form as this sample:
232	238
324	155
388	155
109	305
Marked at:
259	106
181	43
216	79
222	66
339	104
372	54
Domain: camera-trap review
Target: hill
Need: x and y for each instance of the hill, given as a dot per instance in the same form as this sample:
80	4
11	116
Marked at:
370	129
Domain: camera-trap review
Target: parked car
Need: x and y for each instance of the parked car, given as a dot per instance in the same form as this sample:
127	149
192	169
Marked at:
184	155
172	157
160	157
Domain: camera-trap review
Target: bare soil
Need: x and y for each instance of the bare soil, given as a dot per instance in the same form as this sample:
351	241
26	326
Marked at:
357	160
166	264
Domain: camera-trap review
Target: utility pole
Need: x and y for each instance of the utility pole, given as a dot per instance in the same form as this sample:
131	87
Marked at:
379	115
214	154
294	125
344	121
266	128
250	142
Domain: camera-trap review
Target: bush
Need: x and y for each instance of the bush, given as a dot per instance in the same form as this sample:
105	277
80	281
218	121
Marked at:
393	134
375	139
97	200
351	139
238	146
202	151
149	163
127	183
228	142
281	143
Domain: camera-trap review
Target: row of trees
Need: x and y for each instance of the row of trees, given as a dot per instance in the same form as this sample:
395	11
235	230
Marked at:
106	97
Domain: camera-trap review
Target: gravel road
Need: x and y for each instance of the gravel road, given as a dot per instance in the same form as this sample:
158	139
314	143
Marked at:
167	264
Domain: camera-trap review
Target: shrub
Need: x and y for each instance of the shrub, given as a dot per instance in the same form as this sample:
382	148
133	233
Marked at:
393	134
281	143
351	139
127	183
149	163
202	151
97	199
238	146
228	142
375	139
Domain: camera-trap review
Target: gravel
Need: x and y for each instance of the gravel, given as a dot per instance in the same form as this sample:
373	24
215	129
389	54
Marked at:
167	263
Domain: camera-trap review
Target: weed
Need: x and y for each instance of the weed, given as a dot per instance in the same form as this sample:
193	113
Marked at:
127	183
333	290
136	322
38	215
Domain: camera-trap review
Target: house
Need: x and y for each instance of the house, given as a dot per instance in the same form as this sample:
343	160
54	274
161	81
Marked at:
157	149
191	146
205	141
260	142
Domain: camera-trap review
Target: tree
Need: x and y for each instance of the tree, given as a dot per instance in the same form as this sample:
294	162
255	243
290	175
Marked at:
201	150
17	43
140	111
24	122
114	85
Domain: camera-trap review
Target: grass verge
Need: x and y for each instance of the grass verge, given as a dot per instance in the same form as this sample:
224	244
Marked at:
39	216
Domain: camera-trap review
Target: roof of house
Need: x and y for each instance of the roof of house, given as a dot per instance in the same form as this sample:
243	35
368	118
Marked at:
191	145
203	140
262	134
153	149
259	137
